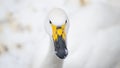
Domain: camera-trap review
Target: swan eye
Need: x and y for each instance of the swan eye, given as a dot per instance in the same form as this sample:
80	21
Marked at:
50	22
65	21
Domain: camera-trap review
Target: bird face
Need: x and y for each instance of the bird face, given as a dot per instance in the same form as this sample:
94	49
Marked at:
57	29
59	40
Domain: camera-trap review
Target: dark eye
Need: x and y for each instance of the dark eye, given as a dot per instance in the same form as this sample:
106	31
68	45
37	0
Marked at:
50	22
65	21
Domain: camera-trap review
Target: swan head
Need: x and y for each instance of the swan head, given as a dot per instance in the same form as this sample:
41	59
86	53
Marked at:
57	27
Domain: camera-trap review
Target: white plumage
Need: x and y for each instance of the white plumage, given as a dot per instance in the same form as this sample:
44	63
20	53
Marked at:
93	38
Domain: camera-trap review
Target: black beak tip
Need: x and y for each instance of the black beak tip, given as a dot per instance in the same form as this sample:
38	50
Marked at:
60	48
62	54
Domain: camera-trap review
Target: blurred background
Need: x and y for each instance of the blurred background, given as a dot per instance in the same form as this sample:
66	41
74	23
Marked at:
93	38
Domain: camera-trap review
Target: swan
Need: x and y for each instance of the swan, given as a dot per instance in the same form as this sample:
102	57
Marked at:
57	28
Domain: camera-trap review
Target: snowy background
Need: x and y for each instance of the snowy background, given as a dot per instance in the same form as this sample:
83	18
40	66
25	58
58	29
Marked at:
93	38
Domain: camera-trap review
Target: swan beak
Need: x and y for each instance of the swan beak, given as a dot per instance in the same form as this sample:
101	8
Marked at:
59	38
60	48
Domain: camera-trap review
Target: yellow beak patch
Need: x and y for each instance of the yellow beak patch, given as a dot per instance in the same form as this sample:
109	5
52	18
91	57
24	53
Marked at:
58	32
